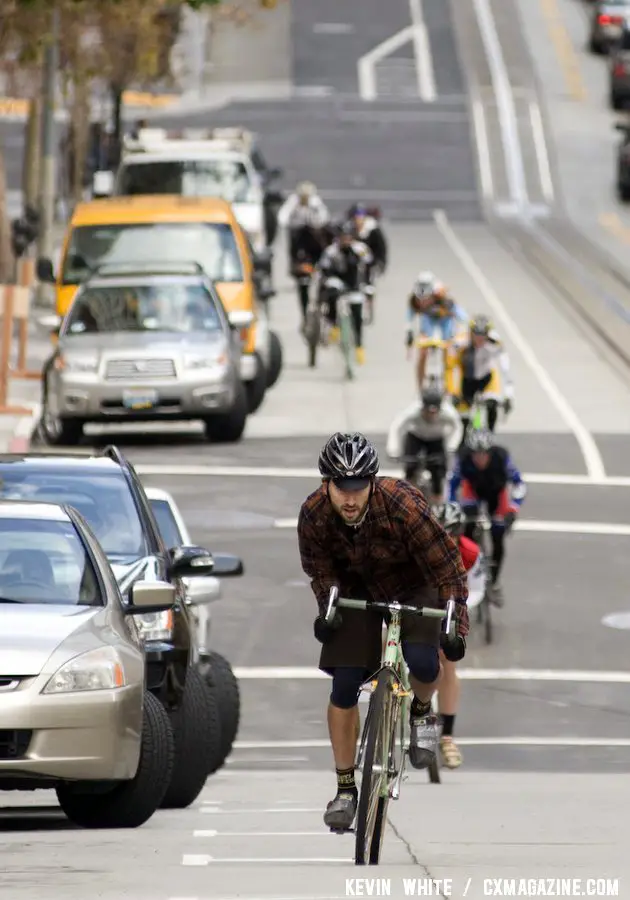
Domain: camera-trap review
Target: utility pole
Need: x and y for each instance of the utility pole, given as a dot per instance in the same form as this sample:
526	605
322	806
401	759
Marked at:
47	175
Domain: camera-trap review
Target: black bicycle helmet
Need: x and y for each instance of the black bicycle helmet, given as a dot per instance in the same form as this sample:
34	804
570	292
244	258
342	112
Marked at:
348	456
432	398
481	325
480	440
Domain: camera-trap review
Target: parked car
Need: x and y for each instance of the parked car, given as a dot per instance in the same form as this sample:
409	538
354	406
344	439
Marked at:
163	228
623	162
144	342
620	71
107	492
214	667
607	23
74	711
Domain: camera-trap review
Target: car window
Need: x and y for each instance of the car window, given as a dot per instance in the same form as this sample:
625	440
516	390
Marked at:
182	308
45	562
104	500
166	522
212	245
224	178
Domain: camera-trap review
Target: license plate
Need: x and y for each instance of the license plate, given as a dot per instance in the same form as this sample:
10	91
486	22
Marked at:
140	399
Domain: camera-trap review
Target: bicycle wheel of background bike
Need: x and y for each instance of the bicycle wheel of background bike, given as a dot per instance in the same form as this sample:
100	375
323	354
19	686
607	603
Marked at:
372	808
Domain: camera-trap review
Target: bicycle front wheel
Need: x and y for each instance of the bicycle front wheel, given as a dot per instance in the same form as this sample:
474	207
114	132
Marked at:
374	794
346	344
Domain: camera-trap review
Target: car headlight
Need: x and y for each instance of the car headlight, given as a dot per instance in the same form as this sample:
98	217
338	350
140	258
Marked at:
155	626
96	670
76	363
205	362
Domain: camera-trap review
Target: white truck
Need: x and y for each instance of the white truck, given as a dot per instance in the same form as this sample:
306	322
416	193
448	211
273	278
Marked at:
218	162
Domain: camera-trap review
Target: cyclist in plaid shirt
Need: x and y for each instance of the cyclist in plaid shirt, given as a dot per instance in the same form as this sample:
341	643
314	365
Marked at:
376	539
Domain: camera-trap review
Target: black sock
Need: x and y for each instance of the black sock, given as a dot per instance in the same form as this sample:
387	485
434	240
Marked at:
345	781
419	709
448	724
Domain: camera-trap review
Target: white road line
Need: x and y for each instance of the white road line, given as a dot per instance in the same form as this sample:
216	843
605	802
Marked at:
366	65
309	673
185	471
590	452
483	149
203	860
542	156
534	526
505	104
241	812
211	834
473	742
422	51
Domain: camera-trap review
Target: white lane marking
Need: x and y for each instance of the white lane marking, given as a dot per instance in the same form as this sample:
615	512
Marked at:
618	620
211	834
286	809
552	478
333	28
366	64
470	742
308	673
505	104
534	526
590	452
483	149
203	860
542	155
422	52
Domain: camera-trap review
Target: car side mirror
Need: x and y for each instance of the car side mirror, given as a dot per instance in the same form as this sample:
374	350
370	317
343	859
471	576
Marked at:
150	597
226	565
189	562
45	270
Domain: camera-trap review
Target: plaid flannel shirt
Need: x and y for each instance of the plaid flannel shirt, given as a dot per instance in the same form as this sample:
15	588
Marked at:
399	549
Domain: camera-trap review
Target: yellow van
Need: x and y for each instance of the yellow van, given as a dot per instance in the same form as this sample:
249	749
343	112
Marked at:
164	228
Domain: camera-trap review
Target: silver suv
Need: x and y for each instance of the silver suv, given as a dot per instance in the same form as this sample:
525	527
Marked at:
144	345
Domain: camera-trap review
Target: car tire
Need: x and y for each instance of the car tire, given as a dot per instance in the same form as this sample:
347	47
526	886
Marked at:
128	804
257	387
229	427
623	192
595	47
275	359
58	431
197	733
218	674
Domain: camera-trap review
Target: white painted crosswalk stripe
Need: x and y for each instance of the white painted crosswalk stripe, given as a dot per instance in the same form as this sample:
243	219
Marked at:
535	526
310	673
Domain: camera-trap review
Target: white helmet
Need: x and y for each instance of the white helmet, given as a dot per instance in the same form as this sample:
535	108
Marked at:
306	189
425	284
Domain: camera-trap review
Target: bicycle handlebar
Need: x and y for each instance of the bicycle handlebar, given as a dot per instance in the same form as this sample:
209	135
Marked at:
335	602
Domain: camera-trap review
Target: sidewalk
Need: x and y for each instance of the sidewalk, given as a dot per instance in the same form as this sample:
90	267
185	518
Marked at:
16	430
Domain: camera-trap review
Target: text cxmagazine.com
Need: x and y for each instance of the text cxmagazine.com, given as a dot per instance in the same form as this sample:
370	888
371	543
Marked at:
486	887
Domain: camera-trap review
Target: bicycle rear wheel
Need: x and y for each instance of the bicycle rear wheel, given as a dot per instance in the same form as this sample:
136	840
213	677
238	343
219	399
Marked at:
346	344
372	808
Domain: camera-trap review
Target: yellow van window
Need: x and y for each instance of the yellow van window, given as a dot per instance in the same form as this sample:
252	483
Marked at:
211	245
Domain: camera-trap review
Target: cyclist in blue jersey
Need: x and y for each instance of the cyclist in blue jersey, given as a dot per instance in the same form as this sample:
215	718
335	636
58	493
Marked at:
484	472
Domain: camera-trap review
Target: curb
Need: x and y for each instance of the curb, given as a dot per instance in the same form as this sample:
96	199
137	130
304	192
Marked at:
24	431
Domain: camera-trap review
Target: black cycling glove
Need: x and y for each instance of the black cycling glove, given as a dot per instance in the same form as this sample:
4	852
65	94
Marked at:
324	632
453	646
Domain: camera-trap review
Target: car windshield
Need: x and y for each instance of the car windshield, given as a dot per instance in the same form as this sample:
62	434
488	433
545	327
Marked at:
224	178
43	561
211	245
166	523
181	308
104	500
